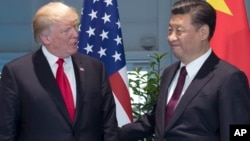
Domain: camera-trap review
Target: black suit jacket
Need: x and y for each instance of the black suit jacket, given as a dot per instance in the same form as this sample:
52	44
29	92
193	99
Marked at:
216	98
32	108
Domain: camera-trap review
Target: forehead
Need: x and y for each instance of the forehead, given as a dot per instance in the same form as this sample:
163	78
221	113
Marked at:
180	20
64	23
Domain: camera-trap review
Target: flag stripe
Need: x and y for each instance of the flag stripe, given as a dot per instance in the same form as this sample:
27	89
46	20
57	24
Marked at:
100	37
121	113
120	90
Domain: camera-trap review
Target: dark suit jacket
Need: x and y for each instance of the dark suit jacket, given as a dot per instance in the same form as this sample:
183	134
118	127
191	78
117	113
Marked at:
32	108
217	97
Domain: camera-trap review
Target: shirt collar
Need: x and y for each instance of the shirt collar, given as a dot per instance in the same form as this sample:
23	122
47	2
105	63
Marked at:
52	58
194	66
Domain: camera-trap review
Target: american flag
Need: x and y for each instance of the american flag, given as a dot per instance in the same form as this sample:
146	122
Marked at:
100	37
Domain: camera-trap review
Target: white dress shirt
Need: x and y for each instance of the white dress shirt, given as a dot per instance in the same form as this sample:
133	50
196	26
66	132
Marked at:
68	69
192	69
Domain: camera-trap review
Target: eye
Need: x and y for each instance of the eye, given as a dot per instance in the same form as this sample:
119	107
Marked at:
170	30
66	30
179	31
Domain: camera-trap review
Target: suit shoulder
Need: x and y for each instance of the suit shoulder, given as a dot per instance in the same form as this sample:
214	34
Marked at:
225	70
86	59
172	67
227	67
21	60
80	55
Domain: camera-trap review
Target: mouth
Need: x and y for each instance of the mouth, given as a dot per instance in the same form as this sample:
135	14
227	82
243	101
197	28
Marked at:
75	44
174	45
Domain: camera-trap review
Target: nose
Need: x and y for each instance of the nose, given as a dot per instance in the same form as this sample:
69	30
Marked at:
171	36
75	32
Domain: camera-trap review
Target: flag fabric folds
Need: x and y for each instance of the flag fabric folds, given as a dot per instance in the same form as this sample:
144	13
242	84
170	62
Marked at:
100	37
231	40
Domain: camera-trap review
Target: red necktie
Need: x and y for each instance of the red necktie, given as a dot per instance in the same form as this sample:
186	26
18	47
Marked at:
176	95
65	88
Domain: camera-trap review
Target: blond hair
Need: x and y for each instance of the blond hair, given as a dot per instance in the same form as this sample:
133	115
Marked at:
53	12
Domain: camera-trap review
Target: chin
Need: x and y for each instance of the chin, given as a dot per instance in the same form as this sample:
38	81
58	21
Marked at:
73	51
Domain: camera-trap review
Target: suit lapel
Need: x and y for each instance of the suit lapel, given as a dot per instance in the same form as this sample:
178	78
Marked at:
166	79
47	80
201	79
79	69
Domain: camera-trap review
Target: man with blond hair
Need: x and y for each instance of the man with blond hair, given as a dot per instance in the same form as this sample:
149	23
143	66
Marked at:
55	93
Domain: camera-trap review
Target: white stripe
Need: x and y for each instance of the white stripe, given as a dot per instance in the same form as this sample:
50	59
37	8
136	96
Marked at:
124	75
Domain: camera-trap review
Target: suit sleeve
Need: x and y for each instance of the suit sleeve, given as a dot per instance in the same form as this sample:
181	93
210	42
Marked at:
9	106
142	128
110	124
234	103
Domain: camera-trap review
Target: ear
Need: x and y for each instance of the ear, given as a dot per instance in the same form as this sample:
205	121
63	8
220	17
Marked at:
204	32
44	39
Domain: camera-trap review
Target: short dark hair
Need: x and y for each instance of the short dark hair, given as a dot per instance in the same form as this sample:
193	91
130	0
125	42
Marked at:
201	13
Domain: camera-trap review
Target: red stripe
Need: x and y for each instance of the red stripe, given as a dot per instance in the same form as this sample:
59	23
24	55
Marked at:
121	92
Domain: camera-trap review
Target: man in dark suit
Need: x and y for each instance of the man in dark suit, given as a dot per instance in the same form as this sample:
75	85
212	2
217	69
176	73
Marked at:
32	107
215	94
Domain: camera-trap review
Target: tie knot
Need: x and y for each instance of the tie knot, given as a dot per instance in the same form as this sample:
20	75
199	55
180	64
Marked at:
183	71
60	61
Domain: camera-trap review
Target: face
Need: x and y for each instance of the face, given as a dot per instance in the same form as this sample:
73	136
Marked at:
185	39
62	39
